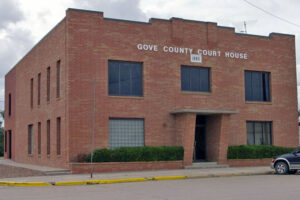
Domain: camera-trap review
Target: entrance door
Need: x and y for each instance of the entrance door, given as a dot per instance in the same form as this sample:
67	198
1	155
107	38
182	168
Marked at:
200	139
9	145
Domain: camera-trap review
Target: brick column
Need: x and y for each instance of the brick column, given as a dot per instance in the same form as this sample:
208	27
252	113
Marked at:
185	132
224	139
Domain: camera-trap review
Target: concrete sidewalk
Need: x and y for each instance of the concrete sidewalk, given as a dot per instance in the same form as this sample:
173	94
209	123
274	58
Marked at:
78	179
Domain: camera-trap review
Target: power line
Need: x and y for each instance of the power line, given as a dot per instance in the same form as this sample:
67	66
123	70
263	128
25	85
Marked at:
269	13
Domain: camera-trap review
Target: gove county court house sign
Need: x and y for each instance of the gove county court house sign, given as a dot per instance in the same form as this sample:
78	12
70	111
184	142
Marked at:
196	54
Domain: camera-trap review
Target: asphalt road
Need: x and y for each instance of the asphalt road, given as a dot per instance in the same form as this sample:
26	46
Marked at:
240	187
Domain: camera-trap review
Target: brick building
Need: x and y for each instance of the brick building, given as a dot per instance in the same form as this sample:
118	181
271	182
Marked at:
166	82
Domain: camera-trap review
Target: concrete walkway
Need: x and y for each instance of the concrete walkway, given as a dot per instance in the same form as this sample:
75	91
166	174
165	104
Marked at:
190	173
28	166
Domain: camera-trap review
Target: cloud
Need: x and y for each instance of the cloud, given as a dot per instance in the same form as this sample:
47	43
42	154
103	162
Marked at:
120	9
9	13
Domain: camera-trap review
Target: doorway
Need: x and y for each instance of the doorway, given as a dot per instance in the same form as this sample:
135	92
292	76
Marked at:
200	139
9	145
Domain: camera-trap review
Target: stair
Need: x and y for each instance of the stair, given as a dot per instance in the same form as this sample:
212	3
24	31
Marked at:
205	165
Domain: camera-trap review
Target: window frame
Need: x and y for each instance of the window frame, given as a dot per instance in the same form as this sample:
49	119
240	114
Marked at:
48	83
128	119
48	127
263	87
30	139
119	93
209	78
264	123
58	78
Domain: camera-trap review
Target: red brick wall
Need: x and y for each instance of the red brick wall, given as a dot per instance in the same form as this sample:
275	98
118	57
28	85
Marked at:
48	51
79	168
92	40
100	40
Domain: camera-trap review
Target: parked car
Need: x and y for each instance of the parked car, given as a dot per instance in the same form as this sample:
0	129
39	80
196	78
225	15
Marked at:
287	163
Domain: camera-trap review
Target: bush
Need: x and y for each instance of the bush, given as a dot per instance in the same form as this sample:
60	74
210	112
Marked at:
135	154
256	151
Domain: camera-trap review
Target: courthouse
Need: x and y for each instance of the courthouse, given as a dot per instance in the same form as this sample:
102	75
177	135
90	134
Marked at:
159	83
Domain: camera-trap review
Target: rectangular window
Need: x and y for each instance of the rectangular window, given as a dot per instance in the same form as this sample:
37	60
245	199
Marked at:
39	89
48	84
58	79
48	137
5	142
259	133
31	93
195	79
125	78
9	104
30	139
257	86
58	149
39	138
126	133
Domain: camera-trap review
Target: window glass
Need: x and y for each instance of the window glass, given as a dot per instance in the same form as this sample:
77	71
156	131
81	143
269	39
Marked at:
125	78
257	86
195	79
126	133
259	133
250	134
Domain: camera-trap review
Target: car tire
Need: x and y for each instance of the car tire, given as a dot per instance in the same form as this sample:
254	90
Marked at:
293	171
281	167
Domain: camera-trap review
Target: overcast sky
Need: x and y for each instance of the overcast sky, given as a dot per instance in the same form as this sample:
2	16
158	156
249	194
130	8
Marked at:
24	22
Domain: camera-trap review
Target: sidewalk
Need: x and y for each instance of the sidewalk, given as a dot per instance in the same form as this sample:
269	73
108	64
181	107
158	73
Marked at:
79	179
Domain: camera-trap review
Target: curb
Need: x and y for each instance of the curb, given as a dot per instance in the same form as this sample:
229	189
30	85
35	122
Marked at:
126	180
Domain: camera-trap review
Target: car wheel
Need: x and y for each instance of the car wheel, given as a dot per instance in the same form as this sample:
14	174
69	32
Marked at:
281	168
292	171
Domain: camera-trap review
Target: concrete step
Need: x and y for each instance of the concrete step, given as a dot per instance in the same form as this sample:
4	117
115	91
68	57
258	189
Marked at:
57	172
205	165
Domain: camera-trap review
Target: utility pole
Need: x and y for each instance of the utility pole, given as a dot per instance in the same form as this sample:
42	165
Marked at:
93	127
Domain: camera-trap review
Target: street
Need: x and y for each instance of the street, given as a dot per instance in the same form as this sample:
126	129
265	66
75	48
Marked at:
239	187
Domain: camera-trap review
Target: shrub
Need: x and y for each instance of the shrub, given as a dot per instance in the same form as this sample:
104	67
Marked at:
256	151
135	154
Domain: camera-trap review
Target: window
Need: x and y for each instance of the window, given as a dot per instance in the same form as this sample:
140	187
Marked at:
126	133
195	79
39	89
31	93
257	86
9	104
5	142
30	139
39	138
48	137
58	79
58	135
48	84
259	133
125	78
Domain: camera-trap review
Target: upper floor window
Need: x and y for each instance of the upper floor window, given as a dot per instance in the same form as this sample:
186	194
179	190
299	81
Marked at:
39	89
257	86
9	104
48	84
31	93
195	79
125	78
58	79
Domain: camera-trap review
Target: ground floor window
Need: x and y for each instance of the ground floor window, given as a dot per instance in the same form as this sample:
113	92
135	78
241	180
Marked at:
259	133
30	139
126	133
